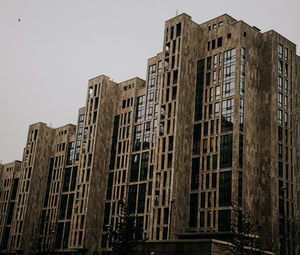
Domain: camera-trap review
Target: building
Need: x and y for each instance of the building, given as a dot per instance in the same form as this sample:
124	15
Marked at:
216	121
10	176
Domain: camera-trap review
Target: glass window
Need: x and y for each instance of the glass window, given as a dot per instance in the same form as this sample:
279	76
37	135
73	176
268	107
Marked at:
280	117
225	188
215	61
217	93
214	77
226	151
280	66
229	73
227	115
217	109
279	83
280	50
279	100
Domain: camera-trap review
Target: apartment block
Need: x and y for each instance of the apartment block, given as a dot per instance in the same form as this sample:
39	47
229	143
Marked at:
215	125
10	176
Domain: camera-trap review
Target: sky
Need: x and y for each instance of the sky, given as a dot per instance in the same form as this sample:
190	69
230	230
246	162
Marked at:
47	58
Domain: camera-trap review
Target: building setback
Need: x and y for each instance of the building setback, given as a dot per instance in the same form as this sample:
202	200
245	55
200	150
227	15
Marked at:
215	122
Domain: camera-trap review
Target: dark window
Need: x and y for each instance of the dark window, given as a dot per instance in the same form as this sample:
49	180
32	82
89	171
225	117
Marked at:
195	173
178	29
213	44
280	169
208	63
109	186
207	78
226	151
279	133
144	166
215	161
74	176
229	35
197	139
225	188
214	180
114	143
175	76
201	219
205	131
241	151
132	198
224	221
199	90
193	210
134	171
67	177
62	208
141	198
219	41
202	199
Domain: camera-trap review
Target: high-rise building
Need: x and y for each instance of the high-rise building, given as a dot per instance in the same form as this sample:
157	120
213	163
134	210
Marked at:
215	123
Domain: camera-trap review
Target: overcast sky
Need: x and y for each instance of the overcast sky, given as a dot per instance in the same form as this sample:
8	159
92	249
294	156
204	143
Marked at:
48	57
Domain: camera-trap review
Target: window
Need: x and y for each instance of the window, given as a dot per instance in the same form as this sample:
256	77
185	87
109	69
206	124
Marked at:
219	41
279	133
193	210
279	83
178	29
280	117
229	73
137	137
225	188
280	50
221	23
280	66
213	44
217	93
196	139
208	63
195	173
207	78
241	114
229	35
286	54
226	151
279	100
227	115
215	61
214	77
134	171
224	220
217	109
140	109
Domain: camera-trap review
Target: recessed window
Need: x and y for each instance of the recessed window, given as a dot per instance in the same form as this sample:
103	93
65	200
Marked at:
221	23
219	41
214	26
280	50
229	35
245	34
213	44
